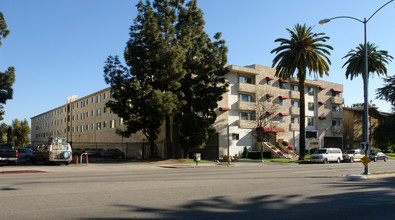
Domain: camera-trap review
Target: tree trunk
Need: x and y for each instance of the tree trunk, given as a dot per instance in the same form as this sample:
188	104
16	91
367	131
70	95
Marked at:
302	124
169	146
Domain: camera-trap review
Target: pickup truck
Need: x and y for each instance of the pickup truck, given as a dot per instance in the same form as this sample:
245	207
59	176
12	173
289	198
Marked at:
8	154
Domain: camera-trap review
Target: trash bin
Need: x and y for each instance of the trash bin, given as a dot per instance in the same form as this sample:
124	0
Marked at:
197	157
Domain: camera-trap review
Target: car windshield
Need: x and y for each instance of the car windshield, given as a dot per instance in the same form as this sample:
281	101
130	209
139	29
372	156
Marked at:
59	146
350	151
322	151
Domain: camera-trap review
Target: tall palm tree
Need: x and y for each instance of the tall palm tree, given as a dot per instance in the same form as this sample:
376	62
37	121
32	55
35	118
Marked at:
388	91
304	51
377	60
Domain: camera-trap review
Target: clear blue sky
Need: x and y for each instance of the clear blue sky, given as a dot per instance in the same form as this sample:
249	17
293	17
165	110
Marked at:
58	47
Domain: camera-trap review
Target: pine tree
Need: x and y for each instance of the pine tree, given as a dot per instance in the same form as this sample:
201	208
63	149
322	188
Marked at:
7	78
203	85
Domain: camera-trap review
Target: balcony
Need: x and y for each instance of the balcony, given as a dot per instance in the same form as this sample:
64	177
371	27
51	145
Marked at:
295	95
295	111
337	100
295	127
245	87
336	114
247	105
337	129
246	123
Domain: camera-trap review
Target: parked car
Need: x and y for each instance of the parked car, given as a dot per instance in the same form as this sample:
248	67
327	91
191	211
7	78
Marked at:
77	151
378	156
8	154
326	155
24	153
54	151
352	155
90	151
114	153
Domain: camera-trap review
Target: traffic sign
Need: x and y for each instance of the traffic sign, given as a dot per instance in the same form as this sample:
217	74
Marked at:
365	160
365	148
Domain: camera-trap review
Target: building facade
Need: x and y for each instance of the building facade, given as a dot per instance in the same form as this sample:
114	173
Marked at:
254	96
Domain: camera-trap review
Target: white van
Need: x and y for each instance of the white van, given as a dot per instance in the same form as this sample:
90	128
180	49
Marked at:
326	155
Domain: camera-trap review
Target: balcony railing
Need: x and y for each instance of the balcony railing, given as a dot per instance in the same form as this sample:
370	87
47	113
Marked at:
295	111
337	100
295	127
337	129
336	114
245	87
247	105
246	123
295	95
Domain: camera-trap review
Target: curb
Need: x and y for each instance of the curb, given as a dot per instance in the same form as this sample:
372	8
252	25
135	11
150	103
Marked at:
186	166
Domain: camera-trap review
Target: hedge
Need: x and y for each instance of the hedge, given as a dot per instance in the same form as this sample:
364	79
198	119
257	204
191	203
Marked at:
257	154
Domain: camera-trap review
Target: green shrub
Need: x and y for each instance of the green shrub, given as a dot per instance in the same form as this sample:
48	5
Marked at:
257	154
245	152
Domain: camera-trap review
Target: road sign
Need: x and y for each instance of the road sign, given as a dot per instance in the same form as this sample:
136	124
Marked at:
365	148
365	160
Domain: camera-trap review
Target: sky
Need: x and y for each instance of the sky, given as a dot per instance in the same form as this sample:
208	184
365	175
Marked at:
58	47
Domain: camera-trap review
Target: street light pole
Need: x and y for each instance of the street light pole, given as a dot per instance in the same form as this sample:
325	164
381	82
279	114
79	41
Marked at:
365	75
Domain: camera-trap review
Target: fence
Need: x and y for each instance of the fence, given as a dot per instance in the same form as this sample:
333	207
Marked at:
99	151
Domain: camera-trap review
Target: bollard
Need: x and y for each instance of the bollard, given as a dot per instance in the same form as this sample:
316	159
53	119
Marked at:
76	159
86	157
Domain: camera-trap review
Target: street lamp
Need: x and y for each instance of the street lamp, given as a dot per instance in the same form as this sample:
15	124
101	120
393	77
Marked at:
365	74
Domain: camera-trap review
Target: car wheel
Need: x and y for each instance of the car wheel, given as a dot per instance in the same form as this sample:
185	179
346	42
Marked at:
326	160
375	159
67	163
28	158
338	160
352	160
385	159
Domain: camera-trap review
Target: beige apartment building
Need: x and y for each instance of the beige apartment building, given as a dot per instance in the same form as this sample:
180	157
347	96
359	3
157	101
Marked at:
254	93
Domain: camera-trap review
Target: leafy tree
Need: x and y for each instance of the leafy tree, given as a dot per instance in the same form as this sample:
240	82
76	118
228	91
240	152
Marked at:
10	135
388	91
384	135
3	133
377	60
203	85
21	131
144	93
304	51
7	78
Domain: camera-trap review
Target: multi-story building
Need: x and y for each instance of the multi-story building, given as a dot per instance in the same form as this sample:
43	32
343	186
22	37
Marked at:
353	119
254	95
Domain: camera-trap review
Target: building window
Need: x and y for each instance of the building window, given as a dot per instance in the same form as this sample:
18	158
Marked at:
282	85
245	98
87	127
245	79
235	136
104	109
295	120
112	124
336	108
246	116
82	116
121	121
335	123
98	112
310	121
98	98
104	124
82	104
87	101
282	118
295	103
98	126
93	126
93	113
283	102
104	95
93	99
311	106
310	91
335	94
294	87
82	128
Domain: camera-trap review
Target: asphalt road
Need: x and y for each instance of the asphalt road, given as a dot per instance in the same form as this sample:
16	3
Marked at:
245	191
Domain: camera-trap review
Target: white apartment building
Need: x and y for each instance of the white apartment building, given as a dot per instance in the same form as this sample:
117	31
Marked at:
86	119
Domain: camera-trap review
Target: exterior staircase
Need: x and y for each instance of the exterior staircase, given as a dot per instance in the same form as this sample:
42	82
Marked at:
288	153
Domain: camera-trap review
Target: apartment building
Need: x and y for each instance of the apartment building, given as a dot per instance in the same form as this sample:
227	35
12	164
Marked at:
254	94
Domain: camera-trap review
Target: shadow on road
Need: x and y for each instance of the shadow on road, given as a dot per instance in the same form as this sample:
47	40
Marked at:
377	202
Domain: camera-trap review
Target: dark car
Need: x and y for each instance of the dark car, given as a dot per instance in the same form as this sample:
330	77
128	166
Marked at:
114	153
378	156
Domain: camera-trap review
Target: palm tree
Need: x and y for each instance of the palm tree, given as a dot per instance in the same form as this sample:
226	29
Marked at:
377	59
388	91
304	51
